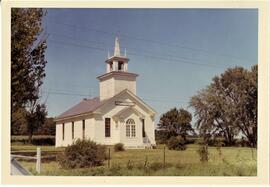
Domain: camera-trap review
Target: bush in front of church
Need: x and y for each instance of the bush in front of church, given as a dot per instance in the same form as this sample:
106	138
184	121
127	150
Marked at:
119	147
176	143
83	154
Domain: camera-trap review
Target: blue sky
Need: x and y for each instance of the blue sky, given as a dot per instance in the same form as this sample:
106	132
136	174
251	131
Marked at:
176	52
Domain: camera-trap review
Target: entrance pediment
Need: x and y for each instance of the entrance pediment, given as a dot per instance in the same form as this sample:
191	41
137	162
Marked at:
123	114
127	100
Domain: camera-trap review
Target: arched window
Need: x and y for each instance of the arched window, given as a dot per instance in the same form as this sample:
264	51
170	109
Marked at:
130	128
130	121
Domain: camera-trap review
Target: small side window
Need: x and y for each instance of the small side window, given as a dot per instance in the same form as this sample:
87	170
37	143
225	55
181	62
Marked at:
107	127
72	130
63	131
83	129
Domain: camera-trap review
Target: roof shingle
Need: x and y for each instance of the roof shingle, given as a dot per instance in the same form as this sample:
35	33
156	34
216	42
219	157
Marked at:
86	105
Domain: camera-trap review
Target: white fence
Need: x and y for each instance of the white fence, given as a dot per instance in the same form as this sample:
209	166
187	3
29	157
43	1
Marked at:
37	158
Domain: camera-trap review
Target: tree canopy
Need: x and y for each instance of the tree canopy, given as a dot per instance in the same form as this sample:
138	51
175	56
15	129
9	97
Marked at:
228	106
176	121
27	63
27	55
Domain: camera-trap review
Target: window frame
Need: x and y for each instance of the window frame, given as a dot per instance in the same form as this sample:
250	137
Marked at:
133	131
107	127
72	130
143	128
130	128
83	129
63	131
127	130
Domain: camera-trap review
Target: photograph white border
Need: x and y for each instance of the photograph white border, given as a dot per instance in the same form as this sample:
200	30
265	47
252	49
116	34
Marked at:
263	93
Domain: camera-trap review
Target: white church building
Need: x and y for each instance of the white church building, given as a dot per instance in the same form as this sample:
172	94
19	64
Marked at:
118	115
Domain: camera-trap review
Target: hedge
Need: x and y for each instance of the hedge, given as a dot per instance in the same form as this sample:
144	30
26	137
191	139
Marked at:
36	140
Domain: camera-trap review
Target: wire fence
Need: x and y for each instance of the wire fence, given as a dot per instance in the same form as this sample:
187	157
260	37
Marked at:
146	160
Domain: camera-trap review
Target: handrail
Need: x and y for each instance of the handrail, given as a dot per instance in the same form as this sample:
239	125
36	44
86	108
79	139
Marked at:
21	156
37	158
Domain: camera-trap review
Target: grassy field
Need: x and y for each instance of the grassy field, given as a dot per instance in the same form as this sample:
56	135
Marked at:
233	161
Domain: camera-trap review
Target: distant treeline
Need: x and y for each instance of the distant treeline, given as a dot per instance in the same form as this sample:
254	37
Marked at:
20	128
225	112
162	137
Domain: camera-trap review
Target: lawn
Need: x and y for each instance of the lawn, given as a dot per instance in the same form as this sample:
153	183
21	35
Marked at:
233	161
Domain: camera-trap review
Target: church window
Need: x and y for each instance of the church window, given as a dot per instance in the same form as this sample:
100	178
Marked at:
143	128
107	127
83	128
133	131
130	128
72	129
63	131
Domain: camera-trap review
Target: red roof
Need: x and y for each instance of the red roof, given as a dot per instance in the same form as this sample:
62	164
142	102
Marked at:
90	105
86	105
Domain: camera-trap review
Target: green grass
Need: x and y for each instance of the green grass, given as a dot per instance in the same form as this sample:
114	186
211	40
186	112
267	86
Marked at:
21	137
234	161
52	169
33	148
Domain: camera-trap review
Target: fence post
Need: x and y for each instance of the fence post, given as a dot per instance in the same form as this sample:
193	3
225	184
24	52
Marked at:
109	157
164	156
38	163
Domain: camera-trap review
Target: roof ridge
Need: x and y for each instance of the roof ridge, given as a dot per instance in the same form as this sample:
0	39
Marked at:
88	99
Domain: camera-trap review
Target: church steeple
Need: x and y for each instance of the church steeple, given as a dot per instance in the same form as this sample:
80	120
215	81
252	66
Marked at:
117	62
117	47
117	78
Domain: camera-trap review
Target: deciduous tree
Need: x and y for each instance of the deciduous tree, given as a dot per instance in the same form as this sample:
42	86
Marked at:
229	105
177	121
35	118
27	58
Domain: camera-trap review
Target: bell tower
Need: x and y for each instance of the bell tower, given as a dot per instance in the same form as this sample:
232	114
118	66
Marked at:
117	78
117	62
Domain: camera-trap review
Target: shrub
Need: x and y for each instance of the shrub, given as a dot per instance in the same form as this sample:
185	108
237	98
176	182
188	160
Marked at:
82	154
176	143
43	141
241	142
119	147
212	142
215	142
162	136
36	140
190	140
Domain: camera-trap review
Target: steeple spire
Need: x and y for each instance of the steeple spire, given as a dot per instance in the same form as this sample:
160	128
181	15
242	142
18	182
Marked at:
116	47
118	61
